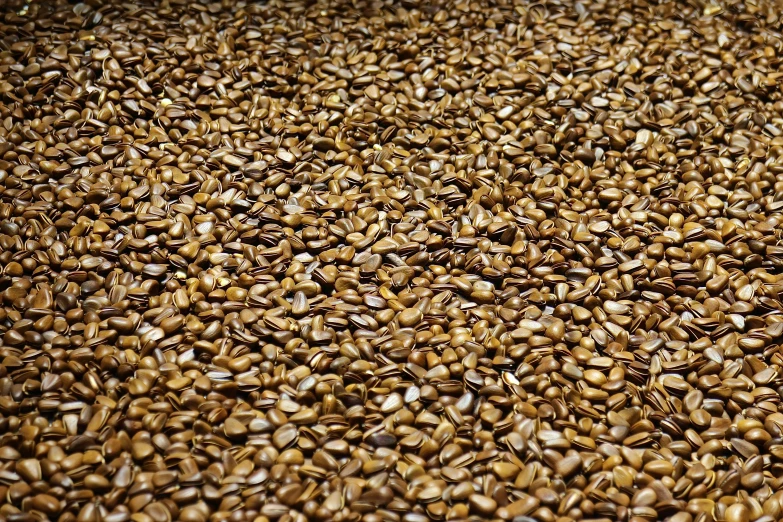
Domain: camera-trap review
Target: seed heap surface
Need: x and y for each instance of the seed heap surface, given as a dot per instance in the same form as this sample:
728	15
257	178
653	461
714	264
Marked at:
385	261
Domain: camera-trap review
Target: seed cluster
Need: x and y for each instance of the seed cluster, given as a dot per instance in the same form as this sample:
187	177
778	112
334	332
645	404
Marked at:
391	261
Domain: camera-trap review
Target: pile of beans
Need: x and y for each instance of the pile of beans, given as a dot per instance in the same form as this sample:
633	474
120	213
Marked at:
391	261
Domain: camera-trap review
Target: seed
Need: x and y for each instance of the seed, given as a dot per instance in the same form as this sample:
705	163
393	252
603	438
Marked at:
410	317
392	403
142	451
568	465
737	513
482	505
29	470
234	428
46	503
299	305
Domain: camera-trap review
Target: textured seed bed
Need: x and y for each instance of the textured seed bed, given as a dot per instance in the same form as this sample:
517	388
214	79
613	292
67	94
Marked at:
388	261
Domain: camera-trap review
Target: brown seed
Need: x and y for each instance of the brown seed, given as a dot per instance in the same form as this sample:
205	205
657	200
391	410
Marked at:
568	465
737	513
46	503
234	428
29	470
299	305
142	451
482	505
410	317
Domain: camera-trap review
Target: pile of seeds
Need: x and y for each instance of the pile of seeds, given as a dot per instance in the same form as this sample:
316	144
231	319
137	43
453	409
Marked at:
391	261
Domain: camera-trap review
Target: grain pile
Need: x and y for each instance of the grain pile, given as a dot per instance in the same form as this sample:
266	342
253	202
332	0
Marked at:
381	261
